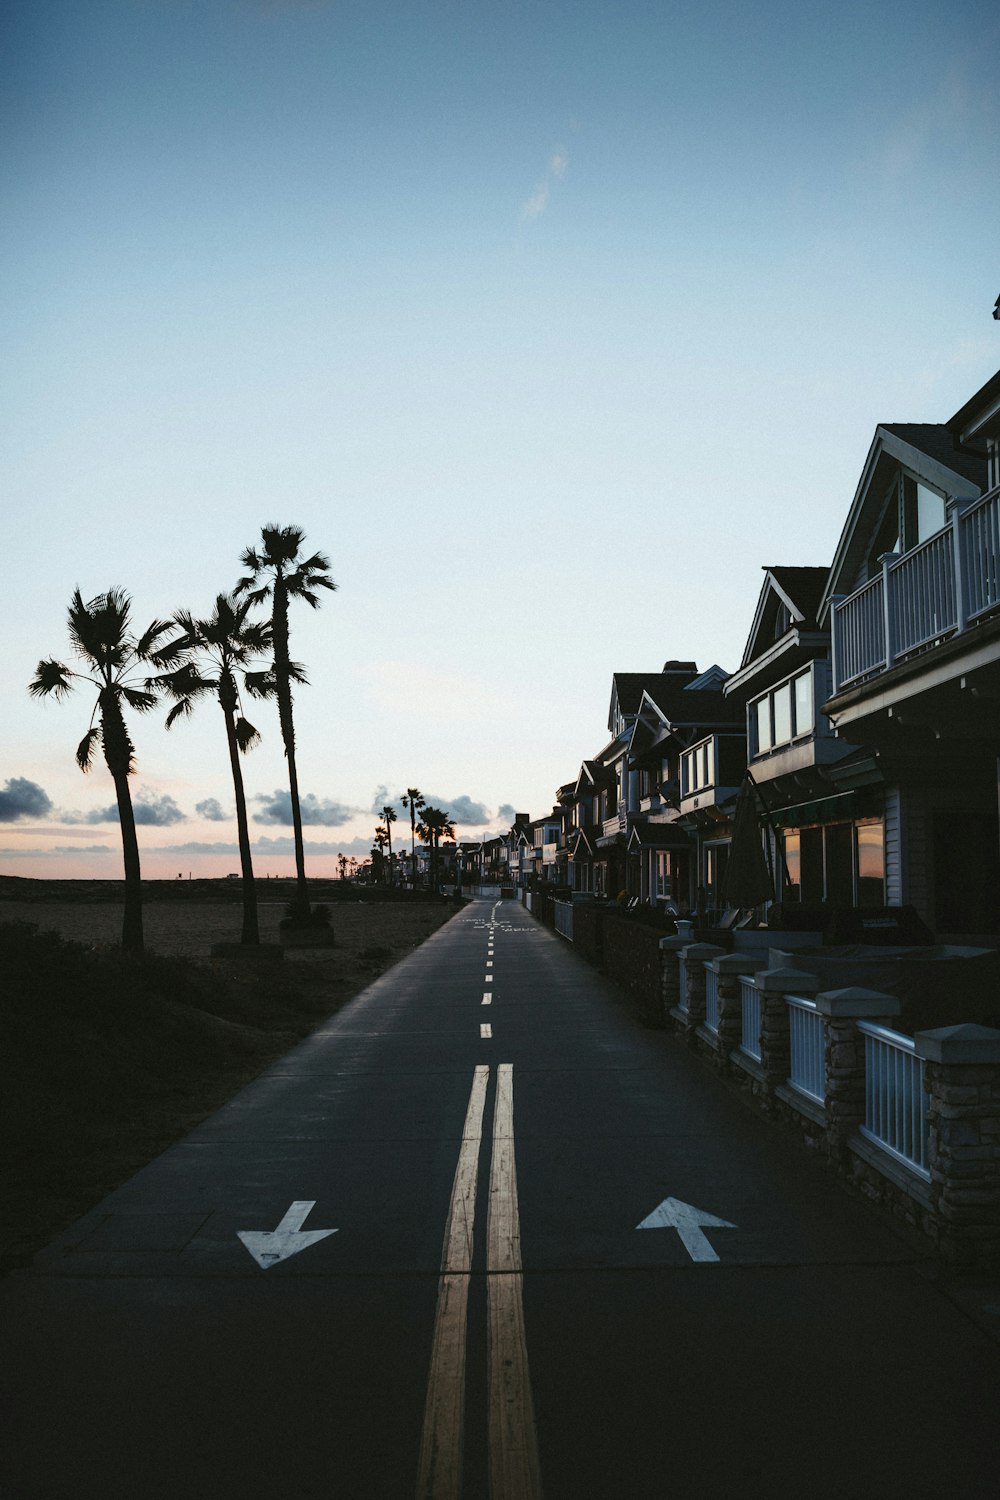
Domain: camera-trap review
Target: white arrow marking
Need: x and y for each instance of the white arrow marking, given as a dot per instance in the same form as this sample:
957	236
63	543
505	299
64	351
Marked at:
268	1246
688	1221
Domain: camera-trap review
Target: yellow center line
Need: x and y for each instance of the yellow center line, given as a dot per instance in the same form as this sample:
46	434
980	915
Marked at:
514	1468
440	1470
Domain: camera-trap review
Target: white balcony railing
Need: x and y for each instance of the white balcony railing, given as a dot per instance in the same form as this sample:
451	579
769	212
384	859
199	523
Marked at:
895	1101
936	590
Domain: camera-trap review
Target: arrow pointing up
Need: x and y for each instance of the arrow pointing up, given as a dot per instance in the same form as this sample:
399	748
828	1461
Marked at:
268	1246
688	1221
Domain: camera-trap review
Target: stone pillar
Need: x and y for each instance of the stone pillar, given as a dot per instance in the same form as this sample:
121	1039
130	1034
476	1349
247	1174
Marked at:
962	1077
774	985
671	951
694	958
844	1049
728	968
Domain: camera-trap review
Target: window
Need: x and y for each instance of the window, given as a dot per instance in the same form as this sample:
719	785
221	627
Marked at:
698	768
716	861
783	714
843	863
923	512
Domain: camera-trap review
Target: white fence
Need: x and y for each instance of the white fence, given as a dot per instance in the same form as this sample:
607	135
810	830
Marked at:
935	589
895	1101
682	987
563	911
711	999
750	1012
808	1049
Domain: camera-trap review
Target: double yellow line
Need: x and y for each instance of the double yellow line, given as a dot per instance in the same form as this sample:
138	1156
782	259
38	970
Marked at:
514	1471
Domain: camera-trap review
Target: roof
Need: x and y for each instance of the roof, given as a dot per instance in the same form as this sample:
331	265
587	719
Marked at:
692	706
939	443
659	836
803	587
627	687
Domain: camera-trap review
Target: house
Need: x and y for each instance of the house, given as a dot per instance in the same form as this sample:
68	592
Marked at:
687	752
820	796
912	606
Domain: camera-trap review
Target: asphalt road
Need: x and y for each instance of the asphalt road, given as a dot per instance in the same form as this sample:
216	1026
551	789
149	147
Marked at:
481	1135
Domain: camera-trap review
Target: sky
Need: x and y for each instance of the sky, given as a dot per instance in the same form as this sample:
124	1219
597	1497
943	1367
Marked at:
549	323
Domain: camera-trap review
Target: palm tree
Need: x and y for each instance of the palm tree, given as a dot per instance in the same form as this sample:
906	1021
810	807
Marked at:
286	575
378	851
434	825
414	800
389	816
210	654
100	636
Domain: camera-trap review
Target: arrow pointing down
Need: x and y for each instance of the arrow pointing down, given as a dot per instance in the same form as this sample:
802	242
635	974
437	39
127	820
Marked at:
688	1221
268	1246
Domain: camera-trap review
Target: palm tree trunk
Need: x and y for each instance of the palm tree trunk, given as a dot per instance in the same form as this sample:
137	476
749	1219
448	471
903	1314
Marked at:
251	926
118	758
388	835
284	687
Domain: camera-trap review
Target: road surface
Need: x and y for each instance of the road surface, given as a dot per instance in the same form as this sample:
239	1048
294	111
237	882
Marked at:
482	1235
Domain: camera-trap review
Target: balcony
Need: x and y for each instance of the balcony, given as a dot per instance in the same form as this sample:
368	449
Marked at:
939	589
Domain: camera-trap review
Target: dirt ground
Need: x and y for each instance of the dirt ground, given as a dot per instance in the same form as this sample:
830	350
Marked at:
189	929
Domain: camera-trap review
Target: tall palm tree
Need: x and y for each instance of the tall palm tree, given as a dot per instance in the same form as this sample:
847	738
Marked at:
208	656
434	825
277	571
100	636
389	817
414	800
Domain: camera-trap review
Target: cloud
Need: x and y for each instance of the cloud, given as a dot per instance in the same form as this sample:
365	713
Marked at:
211	811
157	812
21	798
462	809
265	846
383	798
150	811
277	808
555	168
59	849
506	812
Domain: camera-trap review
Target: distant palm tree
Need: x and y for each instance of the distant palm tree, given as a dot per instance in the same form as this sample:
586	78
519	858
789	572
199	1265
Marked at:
100	637
389	817
414	800
434	825
378	852
210	654
287	575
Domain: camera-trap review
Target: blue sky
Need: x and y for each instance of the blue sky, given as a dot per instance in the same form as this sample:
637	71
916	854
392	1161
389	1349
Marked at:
550	323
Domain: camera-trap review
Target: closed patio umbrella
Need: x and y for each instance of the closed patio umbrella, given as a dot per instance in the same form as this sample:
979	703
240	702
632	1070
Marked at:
748	880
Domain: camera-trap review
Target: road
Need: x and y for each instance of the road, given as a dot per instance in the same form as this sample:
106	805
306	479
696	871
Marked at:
483	1235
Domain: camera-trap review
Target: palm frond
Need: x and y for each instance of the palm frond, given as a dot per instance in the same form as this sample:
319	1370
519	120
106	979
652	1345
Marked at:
150	636
85	749
246	736
260	684
297	672
138	699
51	677
182	709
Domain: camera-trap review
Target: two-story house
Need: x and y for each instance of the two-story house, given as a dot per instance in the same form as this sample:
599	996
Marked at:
912	605
820	798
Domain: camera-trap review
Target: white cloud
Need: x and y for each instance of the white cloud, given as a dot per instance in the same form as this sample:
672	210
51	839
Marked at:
556	168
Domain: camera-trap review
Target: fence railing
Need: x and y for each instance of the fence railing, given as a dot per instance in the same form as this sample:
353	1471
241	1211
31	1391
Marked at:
934	590
563	912
682	987
807	1046
895	1101
750	1013
711	998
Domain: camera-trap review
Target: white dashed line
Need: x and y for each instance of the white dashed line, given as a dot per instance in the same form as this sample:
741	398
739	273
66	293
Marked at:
487	998
486	1030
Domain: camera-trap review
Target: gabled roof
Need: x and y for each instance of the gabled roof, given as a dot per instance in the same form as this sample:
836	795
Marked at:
980	415
685	708
800	590
596	773
931	452
627	687
658	836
